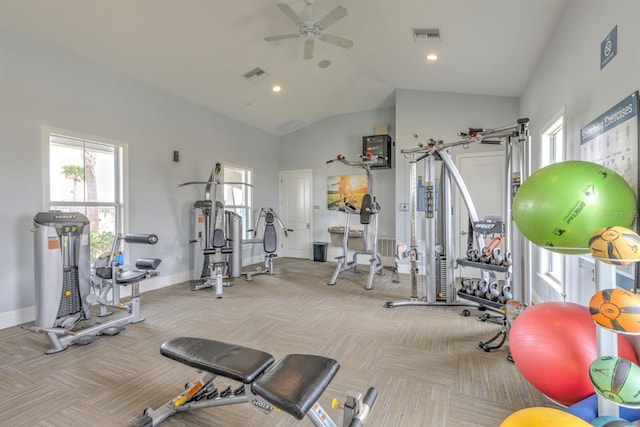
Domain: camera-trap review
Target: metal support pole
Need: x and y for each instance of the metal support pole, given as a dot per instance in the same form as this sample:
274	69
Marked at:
607	341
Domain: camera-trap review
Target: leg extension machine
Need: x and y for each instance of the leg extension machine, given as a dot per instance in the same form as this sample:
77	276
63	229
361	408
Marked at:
64	284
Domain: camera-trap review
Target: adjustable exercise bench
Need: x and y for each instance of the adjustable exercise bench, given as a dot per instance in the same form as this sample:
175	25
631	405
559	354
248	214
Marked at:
292	385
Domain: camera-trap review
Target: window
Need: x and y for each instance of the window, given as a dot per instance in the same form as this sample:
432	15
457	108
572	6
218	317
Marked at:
86	176
552	151
238	194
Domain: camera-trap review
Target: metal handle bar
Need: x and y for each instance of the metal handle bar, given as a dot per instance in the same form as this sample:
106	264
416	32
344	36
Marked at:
472	135
367	403
365	162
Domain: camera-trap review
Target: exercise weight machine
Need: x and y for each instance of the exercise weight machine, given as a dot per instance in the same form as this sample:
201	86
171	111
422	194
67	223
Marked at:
368	215
269	240
217	242
489	259
66	288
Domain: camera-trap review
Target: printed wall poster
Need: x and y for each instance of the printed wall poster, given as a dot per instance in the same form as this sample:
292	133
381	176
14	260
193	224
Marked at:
351	188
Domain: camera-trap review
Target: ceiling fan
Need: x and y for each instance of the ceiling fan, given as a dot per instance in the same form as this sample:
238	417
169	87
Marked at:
312	30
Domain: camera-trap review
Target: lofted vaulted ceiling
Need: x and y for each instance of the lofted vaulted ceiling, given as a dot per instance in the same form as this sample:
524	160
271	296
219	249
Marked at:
200	50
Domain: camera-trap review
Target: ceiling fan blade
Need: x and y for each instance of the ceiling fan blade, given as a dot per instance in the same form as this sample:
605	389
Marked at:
333	16
282	37
290	13
308	49
335	40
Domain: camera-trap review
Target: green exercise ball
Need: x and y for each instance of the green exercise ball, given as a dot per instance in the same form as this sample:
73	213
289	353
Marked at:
561	205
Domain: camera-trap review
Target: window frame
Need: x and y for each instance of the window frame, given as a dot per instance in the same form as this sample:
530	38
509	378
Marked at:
551	265
247	205
121	196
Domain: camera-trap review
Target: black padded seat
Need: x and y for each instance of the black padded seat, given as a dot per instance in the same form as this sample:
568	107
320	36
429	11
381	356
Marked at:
233	361
296	382
131	276
365	209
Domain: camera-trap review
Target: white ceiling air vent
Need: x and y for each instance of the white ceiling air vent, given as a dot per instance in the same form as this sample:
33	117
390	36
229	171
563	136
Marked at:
290	126
426	34
256	75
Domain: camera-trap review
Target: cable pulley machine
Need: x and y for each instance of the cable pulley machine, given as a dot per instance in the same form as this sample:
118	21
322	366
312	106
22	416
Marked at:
217	242
440	287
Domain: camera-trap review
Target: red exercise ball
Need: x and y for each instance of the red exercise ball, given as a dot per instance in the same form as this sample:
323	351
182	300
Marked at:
553	344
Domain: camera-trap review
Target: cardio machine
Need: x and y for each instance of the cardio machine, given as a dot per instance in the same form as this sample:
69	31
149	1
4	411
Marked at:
66	288
368	215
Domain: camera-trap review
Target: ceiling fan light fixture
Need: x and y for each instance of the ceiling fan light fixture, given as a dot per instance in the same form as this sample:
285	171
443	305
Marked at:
324	63
276	88
311	30
432	57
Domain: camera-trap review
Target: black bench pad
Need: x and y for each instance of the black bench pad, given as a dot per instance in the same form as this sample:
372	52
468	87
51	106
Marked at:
131	276
233	361
296	382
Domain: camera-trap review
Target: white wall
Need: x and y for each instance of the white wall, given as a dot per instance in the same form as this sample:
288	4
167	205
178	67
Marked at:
568	75
40	85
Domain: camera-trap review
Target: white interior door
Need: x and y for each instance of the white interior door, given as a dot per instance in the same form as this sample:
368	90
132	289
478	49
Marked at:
484	175
296	212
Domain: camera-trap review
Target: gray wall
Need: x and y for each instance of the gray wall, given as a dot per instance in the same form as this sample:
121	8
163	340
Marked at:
440	115
40	85
312	146
568	75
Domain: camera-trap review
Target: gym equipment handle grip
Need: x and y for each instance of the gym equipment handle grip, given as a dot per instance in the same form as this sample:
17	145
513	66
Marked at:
148	239
369	399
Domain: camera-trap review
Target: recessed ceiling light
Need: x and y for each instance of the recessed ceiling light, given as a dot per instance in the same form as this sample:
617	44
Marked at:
276	88
432	57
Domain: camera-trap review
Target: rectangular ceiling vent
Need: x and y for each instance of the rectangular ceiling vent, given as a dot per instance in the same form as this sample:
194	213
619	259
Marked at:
256	75
290	126
426	34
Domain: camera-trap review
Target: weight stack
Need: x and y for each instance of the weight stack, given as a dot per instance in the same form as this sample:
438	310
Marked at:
441	278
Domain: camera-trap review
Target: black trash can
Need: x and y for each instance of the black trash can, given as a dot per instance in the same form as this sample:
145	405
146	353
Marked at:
320	251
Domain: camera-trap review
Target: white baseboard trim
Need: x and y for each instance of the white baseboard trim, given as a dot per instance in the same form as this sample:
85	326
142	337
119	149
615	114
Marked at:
161	281
17	317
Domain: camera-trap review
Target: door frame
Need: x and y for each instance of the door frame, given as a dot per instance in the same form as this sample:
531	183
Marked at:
460	227
308	173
